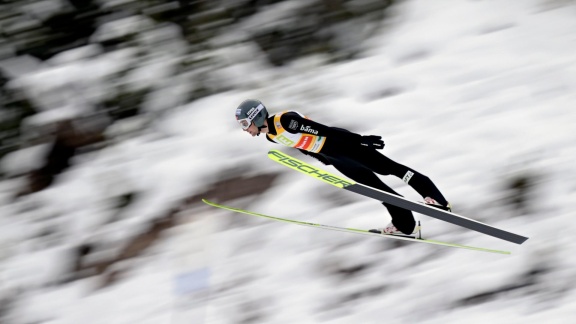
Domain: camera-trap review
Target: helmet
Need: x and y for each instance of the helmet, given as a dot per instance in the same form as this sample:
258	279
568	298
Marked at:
249	111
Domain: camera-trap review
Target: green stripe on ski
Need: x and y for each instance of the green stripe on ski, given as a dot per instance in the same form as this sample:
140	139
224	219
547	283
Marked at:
309	169
354	230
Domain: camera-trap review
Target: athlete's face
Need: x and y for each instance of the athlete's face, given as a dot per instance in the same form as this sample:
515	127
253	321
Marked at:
253	130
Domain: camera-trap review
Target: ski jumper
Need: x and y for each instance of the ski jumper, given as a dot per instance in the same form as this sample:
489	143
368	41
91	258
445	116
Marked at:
342	149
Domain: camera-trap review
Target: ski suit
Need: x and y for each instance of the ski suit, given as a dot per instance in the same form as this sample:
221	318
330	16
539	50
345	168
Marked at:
345	151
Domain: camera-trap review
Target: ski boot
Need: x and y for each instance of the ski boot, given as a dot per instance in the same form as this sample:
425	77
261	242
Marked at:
433	203
390	229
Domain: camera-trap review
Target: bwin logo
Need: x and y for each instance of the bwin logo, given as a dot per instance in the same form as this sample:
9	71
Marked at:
307	129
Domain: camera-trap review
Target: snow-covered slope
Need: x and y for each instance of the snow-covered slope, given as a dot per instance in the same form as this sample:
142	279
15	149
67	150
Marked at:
471	93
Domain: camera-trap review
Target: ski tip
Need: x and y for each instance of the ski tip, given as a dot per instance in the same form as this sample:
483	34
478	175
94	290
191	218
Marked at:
206	201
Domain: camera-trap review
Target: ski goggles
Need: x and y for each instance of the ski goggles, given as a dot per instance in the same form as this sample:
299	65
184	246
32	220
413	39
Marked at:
252	113
244	123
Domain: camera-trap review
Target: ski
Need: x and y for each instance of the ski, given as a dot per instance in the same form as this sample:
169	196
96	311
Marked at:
355	231
401	202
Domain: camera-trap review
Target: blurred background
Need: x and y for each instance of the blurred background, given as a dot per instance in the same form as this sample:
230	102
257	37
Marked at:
117	118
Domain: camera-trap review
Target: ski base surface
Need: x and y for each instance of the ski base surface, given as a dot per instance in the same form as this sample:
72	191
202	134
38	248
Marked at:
355	231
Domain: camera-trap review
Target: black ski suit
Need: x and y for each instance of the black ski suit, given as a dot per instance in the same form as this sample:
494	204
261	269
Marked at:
355	156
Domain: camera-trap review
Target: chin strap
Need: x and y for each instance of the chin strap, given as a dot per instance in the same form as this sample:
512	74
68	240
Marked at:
259	129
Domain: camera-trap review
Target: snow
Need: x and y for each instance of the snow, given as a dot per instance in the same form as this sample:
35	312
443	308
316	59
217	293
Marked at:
24	160
471	93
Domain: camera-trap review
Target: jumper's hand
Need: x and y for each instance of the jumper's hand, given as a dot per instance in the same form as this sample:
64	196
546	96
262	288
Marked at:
372	141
